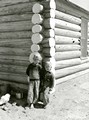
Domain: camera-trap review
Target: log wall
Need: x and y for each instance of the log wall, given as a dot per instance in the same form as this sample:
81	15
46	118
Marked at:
56	30
15	39
26	28
71	30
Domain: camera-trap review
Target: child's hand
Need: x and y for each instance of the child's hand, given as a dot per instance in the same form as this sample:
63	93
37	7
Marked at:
51	90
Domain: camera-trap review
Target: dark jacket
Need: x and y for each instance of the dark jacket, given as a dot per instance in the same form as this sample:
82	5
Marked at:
47	80
33	71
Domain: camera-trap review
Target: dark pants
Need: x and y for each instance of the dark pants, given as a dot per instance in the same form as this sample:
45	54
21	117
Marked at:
33	92
44	96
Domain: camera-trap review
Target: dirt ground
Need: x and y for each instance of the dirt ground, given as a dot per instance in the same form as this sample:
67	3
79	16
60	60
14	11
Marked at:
69	102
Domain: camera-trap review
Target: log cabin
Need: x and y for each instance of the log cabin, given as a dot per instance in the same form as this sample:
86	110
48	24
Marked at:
56	29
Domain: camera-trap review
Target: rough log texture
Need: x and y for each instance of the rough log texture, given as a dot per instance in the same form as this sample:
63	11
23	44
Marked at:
12	61
13	57
14	51
71	8
71	70
16	9
15	26
37	8
49	51
4	3
49	13
17	17
49	33
67	47
15	39
16	86
19	78
67	33
37	19
48	42
66	25
50	4
14	43
66	40
67	55
67	17
35	48
13	69
15	35
49	23
67	63
37	28
37	38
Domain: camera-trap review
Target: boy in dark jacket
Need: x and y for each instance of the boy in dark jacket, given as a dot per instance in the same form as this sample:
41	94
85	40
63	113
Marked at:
33	72
47	84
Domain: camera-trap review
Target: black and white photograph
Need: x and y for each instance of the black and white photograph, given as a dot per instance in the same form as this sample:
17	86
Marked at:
44	59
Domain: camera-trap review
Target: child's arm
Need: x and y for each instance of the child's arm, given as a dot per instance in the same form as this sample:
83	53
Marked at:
52	88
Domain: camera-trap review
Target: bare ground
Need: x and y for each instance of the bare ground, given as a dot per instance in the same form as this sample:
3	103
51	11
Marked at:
69	102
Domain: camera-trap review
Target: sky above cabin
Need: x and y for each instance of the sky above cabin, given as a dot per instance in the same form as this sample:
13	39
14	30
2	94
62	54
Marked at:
82	3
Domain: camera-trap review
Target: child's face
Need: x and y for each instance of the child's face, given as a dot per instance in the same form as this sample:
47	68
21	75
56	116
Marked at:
36	60
48	67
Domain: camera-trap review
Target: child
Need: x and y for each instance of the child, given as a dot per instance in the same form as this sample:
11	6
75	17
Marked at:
48	83
33	72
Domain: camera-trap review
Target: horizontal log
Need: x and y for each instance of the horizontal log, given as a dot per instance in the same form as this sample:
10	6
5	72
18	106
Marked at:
14	57
67	17
67	63
19	78
72	9
37	38
37	19
37	8
71	70
19	62
21	43
49	33
13	69
15	26
16	9
49	4
37	28
66	25
14	51
48	42
49	51
32	55
72	76
67	33
66	40
67	55
49	23
14	18
22	87
15	35
49	13
35	48
10	2
67	47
